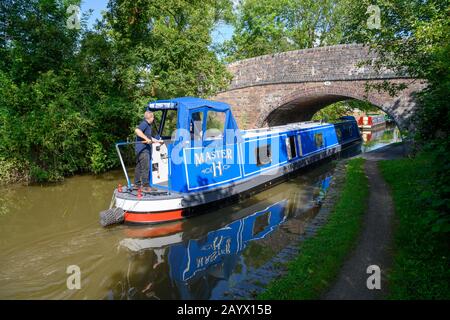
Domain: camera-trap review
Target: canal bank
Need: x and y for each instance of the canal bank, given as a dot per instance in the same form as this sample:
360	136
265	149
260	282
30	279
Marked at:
395	238
373	249
374	245
366	242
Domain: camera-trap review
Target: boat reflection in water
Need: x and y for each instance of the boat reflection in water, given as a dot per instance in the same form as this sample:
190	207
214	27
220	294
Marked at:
199	258
379	137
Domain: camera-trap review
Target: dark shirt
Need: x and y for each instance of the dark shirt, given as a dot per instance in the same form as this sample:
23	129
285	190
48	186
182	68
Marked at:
147	130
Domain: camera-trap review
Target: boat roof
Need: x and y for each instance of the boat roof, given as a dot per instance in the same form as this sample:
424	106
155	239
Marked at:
287	127
187	103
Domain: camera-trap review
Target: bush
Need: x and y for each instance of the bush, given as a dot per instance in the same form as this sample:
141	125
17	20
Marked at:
13	170
421	260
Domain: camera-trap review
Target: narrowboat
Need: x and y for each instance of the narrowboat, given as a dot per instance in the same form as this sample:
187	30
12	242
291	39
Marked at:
206	160
371	121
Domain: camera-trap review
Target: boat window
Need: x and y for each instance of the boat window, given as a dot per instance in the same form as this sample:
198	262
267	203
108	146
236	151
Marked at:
170	124
339	133
318	138
215	123
196	126
293	146
350	131
263	155
299	140
156	121
288	148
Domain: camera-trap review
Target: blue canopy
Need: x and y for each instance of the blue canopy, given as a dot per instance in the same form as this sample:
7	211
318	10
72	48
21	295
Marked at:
186	105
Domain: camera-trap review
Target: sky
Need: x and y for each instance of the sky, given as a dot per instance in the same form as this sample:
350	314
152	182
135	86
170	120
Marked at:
220	34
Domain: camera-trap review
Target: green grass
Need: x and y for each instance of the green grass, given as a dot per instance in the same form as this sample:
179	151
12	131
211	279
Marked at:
321	257
421	267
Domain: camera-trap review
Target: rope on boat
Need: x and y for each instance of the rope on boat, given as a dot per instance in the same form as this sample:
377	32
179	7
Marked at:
111	216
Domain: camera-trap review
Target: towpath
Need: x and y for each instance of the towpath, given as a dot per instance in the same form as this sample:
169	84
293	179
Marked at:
374	246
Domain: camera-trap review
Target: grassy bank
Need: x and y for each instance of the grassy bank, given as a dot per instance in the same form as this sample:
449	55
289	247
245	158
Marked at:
421	260
321	257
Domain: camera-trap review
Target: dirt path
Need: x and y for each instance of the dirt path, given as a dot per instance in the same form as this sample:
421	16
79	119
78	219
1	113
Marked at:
375	242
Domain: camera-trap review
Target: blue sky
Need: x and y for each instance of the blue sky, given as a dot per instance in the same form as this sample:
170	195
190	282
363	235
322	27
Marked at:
221	33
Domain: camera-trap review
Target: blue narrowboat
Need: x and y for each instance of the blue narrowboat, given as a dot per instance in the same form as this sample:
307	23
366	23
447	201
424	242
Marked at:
205	159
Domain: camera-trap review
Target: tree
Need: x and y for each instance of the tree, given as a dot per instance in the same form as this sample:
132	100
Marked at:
343	108
414	38
171	41
34	38
67	95
270	26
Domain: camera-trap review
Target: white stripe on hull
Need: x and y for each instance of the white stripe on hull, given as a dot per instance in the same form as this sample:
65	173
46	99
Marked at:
149	205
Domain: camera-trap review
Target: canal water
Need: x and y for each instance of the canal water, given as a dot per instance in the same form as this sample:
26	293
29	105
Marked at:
46	229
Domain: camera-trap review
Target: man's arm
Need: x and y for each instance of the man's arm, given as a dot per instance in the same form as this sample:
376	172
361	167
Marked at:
148	140
141	135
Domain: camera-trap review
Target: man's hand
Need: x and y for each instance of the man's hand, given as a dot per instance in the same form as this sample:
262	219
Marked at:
157	141
148	141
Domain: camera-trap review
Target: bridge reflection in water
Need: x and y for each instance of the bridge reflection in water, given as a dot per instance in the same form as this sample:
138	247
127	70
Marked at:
200	257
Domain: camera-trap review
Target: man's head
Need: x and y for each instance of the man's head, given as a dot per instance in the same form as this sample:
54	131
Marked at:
149	117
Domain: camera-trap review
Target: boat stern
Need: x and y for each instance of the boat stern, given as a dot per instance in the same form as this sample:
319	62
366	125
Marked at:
141	207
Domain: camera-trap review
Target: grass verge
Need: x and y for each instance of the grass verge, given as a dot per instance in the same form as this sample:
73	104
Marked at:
321	257
421	259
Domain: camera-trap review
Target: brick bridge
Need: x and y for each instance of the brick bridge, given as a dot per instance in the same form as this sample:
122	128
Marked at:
292	86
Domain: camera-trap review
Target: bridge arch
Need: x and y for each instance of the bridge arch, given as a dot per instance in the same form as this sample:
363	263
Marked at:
303	103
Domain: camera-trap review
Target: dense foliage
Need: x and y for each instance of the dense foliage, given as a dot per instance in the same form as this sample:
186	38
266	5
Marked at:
414	38
420	269
342	108
270	26
67	95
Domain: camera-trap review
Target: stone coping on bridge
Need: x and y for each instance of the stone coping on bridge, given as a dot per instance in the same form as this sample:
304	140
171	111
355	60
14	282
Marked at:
320	64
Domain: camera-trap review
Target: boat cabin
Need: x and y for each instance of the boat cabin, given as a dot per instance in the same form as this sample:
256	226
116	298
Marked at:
194	130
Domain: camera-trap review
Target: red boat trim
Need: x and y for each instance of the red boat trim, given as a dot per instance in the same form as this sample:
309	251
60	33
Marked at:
154	231
153	217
